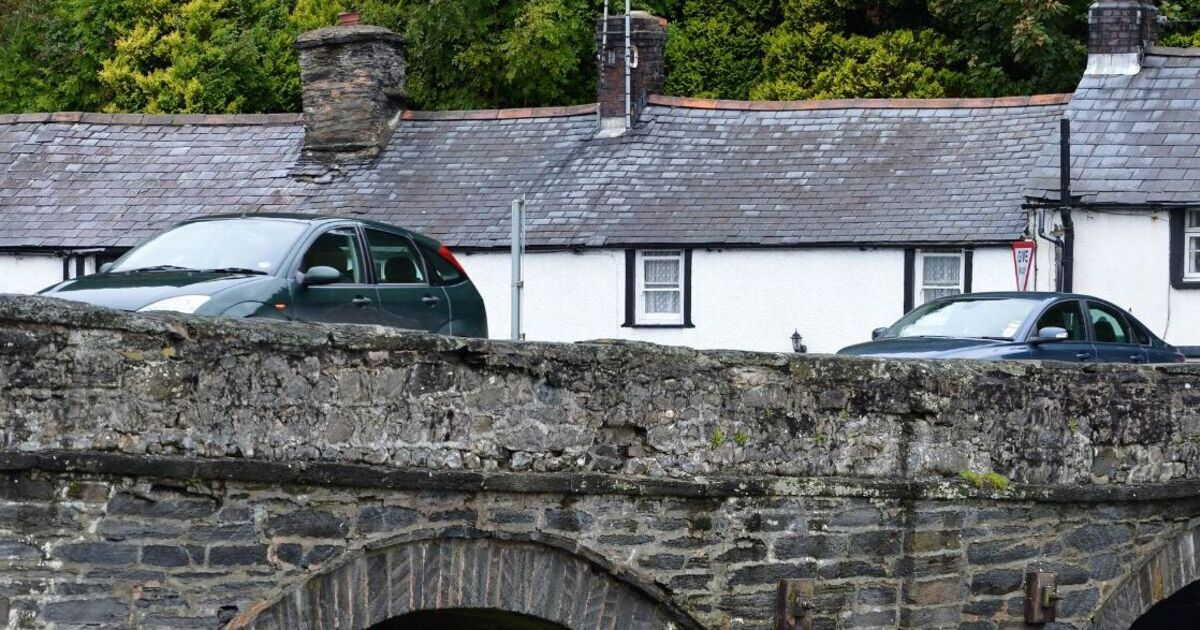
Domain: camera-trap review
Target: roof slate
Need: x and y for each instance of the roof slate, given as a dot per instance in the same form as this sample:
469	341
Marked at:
1134	139
99	181
860	174
692	172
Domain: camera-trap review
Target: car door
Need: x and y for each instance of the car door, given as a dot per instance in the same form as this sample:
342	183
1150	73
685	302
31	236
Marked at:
353	299
1115	342
1068	315
407	299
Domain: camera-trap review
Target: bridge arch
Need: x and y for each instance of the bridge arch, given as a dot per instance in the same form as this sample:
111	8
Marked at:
466	573
1172	566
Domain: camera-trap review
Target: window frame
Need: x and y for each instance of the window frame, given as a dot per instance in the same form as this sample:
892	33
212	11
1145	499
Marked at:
635	308
1191	232
1180	276
919	286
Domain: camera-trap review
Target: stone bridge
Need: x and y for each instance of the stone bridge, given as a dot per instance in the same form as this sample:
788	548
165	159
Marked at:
176	472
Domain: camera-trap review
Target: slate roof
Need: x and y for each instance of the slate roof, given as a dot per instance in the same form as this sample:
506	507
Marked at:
1134	139
712	172
692	172
96	180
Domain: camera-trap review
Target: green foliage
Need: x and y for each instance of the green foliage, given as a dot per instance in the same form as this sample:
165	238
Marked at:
238	55
989	481
741	438
717	439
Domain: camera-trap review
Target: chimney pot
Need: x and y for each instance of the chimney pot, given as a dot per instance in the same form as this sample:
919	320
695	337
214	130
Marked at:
349	18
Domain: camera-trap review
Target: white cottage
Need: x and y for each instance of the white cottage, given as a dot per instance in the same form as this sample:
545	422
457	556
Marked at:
1131	231
695	222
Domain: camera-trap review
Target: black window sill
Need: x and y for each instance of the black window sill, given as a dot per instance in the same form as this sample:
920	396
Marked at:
658	325
1185	285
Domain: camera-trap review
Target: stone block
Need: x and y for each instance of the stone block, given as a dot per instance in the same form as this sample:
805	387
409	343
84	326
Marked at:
308	524
97	553
237	555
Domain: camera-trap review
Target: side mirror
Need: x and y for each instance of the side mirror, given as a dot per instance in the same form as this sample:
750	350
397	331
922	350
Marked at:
104	268
320	275
878	332
1051	333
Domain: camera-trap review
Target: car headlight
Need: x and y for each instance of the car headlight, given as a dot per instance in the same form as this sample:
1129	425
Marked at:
178	304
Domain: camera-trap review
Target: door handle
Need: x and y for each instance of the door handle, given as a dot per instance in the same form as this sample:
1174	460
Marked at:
430	300
361	301
1083	356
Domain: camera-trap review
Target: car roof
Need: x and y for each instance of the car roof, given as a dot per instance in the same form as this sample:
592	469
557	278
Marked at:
1043	296
314	219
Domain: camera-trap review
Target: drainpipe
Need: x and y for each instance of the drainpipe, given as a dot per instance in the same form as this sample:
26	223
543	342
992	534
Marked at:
1064	247
1066	282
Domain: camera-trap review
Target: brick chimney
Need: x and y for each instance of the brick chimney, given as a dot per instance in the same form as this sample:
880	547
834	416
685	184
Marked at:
648	42
353	89
1119	33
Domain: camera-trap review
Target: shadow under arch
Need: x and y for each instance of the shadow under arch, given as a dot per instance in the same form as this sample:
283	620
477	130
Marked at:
1172	566
543	577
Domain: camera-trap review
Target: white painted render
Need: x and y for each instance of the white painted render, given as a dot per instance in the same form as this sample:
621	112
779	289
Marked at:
29	273
747	299
1124	257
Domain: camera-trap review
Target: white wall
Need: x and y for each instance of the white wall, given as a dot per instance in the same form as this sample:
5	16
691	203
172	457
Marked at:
1125	258
741	299
29	273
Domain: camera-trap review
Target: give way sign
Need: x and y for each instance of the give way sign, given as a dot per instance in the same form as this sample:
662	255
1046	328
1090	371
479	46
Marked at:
1023	263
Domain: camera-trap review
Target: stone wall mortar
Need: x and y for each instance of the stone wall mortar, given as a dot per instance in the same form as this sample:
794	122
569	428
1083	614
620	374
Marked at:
79	378
147	552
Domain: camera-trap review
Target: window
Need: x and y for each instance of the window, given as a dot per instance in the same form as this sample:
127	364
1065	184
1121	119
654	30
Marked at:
394	258
1107	324
336	248
440	268
660	287
938	274
1185	249
1065	315
1191	245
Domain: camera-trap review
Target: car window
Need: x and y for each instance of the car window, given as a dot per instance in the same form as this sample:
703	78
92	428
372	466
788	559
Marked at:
1140	333
337	248
394	258
1108	325
997	318
445	272
259	244
1065	315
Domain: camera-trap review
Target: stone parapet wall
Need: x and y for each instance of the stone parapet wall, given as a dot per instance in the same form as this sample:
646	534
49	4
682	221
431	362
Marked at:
78	378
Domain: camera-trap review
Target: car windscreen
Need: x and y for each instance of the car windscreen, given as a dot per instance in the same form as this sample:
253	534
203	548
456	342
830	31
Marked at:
990	318
252	244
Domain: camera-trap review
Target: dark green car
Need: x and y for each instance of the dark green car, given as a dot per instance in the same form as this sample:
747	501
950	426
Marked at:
296	267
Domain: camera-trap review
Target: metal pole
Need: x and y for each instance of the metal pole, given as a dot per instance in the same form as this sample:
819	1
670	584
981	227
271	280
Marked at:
1067	282
604	35
628	69
518	266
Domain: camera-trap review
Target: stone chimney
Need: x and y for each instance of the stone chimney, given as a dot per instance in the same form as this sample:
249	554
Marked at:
353	89
1119	33
648	42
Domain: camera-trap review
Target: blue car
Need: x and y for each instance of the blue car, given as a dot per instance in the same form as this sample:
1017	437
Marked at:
1019	326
